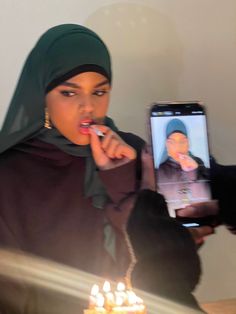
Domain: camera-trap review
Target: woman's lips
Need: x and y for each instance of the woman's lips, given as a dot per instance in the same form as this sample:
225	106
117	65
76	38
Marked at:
85	125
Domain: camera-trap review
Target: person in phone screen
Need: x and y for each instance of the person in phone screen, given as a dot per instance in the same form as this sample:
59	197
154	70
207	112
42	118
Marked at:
181	167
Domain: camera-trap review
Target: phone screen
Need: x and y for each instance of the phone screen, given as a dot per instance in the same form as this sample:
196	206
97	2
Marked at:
181	153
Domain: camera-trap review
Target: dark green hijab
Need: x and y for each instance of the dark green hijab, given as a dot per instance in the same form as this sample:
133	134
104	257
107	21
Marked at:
60	53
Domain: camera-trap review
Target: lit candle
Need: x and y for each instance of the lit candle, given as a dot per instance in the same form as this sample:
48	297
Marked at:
121	296
93	296
100	300
132	298
106	287
139	300
140	305
96	302
121	302
120	286
109	297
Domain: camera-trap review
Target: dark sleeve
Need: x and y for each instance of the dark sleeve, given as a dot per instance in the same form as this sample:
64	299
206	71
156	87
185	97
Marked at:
120	181
223	184
13	294
202	172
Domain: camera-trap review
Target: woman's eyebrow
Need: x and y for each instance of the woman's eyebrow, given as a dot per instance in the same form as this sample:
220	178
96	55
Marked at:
74	85
69	84
102	83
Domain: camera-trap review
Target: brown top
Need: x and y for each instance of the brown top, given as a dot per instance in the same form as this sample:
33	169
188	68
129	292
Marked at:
43	209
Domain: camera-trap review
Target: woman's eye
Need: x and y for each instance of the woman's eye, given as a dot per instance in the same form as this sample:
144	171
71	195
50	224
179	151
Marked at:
68	93
100	92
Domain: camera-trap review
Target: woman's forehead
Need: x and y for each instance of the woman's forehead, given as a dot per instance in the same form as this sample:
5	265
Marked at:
91	78
177	135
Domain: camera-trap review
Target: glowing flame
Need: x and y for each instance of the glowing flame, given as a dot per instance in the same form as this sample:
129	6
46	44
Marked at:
94	290
107	287
120	286
132	298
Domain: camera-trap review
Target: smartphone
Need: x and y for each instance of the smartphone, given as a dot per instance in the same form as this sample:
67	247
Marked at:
181	156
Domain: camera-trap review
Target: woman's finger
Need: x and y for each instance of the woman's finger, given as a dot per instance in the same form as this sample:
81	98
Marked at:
99	156
120	152
112	148
198	234
203	209
106	141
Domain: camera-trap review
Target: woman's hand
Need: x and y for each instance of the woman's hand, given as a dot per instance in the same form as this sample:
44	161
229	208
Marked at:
187	163
110	151
200	233
201	210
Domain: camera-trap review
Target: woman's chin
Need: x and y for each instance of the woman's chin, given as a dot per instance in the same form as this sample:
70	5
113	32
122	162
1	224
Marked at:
81	140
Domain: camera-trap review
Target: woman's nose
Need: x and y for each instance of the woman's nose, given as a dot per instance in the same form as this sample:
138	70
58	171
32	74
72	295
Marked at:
86	104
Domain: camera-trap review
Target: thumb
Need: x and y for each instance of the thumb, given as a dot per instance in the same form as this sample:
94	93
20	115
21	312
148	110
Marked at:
96	146
198	234
199	209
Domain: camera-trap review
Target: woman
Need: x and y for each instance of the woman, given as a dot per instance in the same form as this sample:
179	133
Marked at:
58	175
177	158
182	177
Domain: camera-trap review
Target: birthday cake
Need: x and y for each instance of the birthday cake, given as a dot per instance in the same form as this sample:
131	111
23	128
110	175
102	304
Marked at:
120	301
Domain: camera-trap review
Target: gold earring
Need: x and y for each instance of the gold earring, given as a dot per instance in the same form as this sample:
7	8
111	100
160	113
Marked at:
47	123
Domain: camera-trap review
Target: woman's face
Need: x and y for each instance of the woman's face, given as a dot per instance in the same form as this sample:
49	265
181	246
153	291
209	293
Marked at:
76	103
177	144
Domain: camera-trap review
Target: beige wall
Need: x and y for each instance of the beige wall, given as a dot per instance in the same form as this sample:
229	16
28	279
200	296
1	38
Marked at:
161	49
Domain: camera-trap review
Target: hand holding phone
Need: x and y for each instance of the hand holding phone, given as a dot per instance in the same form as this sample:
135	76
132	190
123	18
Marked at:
181	154
205	215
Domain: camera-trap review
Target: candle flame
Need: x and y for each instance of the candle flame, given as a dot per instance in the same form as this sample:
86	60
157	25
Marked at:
120	286
107	287
132	298
94	290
